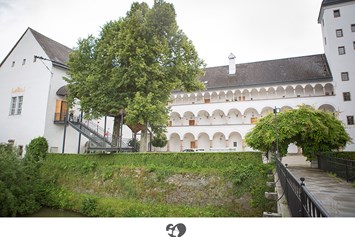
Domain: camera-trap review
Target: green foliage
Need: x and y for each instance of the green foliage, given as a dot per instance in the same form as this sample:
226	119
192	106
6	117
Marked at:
88	166
240	173
89	206
313	130
20	188
37	149
140	184
134	64
159	140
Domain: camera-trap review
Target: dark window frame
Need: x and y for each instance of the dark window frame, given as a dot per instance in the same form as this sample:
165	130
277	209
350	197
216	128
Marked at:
345	76
346	96
339	33
341	50
336	13
350	120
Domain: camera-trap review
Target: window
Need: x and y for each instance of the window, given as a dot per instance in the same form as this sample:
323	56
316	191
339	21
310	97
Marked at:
235	144
341	50
352	27
354	44
16	105
60	111
19	105
345	76
253	120
337	13
23	61
350	120
346	96
20	150
53	149
339	33
325	40
191	122
13	64
13	105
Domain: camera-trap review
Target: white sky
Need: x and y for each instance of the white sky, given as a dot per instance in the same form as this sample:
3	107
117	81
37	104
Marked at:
253	30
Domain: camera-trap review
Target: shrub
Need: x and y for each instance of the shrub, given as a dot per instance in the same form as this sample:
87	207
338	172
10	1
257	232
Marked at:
20	189
37	149
159	140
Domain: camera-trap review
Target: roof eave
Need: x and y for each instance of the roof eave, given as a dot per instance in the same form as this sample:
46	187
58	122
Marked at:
305	81
60	65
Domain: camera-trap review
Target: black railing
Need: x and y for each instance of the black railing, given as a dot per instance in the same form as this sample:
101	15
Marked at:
300	201
89	133
343	168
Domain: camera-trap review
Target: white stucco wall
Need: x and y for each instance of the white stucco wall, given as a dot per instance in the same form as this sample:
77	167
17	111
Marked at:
341	63
218	126
31	81
55	132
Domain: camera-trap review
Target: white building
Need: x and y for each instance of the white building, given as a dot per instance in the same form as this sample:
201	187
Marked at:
337	19
32	92
28	92
236	95
32	99
220	117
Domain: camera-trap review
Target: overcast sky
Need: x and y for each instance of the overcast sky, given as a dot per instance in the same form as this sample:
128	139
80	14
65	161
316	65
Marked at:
253	30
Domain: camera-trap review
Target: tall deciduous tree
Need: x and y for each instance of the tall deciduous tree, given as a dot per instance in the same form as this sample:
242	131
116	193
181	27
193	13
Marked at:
312	130
135	65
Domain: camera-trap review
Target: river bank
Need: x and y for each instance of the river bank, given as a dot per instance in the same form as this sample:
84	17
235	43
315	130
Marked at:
51	212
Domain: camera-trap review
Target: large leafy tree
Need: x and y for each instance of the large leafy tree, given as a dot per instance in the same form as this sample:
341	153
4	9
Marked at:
134	65
313	130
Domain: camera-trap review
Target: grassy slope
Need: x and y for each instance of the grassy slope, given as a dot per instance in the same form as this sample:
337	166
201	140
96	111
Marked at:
158	184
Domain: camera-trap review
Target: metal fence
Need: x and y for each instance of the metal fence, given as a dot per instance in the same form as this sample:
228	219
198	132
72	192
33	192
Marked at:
300	201
341	167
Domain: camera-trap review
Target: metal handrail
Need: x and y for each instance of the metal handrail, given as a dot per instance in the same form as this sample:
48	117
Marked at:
301	201
343	168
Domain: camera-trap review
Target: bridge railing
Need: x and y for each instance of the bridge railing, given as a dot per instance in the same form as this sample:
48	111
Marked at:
341	167
300	201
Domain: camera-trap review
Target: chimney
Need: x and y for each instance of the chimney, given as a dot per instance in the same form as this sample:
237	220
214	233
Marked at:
232	69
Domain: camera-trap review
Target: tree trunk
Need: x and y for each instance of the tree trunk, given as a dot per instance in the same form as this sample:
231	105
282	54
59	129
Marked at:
144	138
116	130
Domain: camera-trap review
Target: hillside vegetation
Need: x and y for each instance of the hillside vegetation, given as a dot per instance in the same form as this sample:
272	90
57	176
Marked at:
158	184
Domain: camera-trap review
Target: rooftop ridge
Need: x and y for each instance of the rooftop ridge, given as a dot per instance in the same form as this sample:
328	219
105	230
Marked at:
56	51
270	60
305	69
333	2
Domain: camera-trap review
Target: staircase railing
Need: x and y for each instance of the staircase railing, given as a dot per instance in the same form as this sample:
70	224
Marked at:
89	133
96	134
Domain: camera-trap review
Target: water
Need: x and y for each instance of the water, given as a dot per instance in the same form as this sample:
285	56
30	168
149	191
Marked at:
49	212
